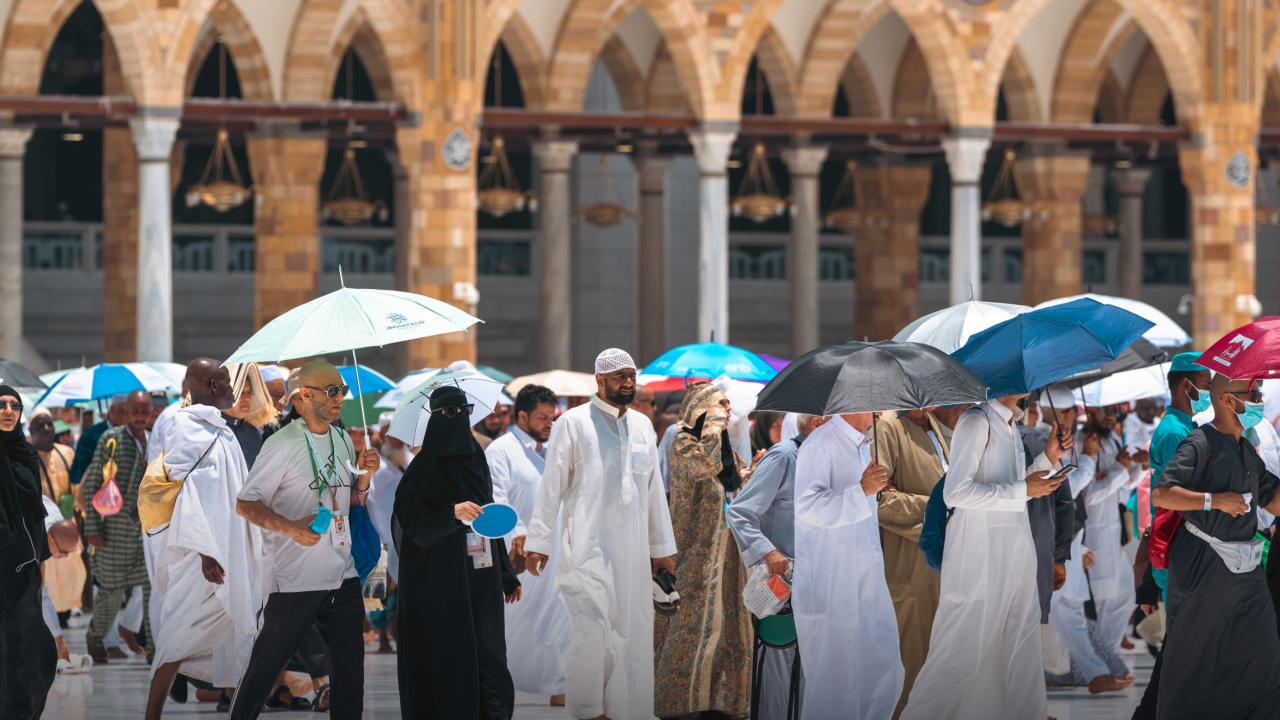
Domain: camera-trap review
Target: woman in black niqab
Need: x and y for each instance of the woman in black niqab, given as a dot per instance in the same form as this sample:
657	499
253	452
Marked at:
452	652
27	650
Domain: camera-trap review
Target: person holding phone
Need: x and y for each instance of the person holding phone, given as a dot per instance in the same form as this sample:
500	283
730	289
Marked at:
306	471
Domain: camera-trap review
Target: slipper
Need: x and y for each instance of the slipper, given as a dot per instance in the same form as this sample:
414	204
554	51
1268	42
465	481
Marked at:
64	666
77	665
322	699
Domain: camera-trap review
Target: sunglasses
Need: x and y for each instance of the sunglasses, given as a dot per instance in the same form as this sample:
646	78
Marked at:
1250	395
455	410
13	405
332	391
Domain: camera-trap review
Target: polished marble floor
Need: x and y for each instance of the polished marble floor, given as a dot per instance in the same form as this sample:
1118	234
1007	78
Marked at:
118	691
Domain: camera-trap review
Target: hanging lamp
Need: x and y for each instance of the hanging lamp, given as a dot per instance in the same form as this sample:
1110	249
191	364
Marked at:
498	192
845	215
220	186
608	210
347	202
758	198
1003	206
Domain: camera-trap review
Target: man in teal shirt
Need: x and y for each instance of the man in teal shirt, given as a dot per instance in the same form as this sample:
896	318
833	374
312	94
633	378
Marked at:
1189	392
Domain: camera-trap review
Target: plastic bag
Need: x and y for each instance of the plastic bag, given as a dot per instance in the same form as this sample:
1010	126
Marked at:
764	593
108	500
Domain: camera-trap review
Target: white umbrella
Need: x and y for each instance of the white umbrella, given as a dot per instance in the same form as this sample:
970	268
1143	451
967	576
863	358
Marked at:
1165	333
565	383
412	413
950	328
1127	386
404	385
175	372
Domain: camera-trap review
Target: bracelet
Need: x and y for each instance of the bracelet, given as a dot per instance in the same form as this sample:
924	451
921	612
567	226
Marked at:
1208	502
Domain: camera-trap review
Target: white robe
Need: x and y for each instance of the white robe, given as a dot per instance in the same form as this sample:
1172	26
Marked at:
380	505
984	652
845	623
208	628
602	471
1111	578
538	626
1066	609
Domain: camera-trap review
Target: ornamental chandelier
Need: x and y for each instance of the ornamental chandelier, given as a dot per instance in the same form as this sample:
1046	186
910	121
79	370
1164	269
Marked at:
347	202
758	198
498	192
220	186
845	215
608	210
1003	206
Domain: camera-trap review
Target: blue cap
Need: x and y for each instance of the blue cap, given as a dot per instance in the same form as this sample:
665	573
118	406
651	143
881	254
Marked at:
1186	362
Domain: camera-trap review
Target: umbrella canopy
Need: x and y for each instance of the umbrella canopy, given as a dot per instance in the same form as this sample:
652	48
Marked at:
1248	352
1043	346
1126	386
363	380
103	381
565	383
350	319
1141	354
950	328
774	361
50	378
19	377
711	359
1164	331
870	377
175	372
356	411
403	386
495	373
412	413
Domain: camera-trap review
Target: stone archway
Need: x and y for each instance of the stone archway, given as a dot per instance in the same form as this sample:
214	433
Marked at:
225	21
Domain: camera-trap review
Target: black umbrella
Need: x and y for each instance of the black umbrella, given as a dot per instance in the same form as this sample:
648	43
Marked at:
18	377
871	377
1139	355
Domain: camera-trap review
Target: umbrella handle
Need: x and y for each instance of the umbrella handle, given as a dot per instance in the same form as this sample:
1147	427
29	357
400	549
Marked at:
875	441
364	428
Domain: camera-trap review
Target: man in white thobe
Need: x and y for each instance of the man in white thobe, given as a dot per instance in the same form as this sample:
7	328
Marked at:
206	556
846	627
602	471
537	627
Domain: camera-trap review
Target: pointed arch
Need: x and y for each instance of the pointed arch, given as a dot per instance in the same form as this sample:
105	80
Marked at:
663	95
225	21
358	35
749	41
832	45
1110	106
1147	90
313	51
1084	61
626	75
859	89
526	55
774	61
1020	91
912	86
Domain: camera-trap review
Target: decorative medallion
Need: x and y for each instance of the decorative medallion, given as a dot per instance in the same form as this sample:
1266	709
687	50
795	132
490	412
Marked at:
1238	169
457	150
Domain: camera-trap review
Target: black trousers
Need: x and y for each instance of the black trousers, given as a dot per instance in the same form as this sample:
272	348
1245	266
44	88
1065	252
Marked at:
339	615
27	649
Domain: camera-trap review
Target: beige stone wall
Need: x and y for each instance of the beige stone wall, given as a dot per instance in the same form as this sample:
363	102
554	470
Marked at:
1052	264
887	256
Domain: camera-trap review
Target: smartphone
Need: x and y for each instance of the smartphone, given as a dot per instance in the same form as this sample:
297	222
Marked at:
1062	472
321	522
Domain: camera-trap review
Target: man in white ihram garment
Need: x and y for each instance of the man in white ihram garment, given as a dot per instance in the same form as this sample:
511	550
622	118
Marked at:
207	555
846	629
985	658
602	470
537	627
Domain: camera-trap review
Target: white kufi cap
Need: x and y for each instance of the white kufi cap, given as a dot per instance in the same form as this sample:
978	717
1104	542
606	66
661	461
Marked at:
614	359
1062	398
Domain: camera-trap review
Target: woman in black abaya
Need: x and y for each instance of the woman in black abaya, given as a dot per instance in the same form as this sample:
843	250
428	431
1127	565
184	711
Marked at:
452	653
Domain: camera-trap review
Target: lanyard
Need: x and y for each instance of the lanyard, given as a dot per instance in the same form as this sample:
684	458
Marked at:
937	448
321	483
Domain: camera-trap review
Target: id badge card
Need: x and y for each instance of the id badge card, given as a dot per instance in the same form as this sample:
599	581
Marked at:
341	533
479	550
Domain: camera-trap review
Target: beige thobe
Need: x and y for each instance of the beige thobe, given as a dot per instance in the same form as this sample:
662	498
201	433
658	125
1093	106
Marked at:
907	452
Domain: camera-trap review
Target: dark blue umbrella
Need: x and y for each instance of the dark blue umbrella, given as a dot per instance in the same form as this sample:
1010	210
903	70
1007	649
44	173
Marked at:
1044	346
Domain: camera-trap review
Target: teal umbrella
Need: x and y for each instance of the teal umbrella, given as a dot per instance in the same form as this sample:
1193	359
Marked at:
496	374
349	319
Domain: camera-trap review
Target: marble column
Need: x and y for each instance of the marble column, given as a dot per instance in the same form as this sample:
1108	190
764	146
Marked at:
555	309
153	137
711	148
966	156
1054	179
1130	183
13	147
651	256
804	163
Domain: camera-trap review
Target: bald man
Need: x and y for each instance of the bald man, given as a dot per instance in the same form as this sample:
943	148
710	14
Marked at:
308	468
1221	651
118	559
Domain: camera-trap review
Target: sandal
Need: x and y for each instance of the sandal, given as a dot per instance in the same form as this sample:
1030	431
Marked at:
322	699
294	703
224	702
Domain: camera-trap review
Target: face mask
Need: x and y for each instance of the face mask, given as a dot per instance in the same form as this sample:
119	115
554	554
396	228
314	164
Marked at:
1252	414
1200	403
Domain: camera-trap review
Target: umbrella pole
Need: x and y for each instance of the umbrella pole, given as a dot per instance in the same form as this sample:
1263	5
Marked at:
875	440
360	398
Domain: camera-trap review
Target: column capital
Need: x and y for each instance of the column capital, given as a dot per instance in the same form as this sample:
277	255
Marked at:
711	147
554	155
13	141
966	156
153	136
1131	181
651	169
804	160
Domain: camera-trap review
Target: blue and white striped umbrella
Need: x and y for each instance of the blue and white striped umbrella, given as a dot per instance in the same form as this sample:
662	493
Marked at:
362	380
103	381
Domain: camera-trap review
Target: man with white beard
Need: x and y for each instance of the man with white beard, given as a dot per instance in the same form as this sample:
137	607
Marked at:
602	470
206	554
537	627
846	627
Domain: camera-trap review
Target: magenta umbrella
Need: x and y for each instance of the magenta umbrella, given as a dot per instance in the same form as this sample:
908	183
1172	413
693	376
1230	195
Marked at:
774	361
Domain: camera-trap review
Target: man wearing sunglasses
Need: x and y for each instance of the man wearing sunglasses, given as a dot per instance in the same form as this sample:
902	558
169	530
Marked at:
300	491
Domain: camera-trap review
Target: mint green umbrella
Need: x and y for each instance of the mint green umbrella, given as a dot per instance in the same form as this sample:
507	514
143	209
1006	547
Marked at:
349	319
